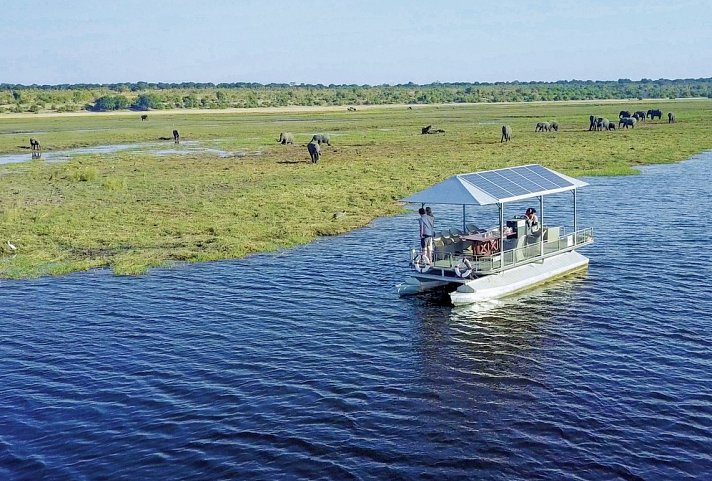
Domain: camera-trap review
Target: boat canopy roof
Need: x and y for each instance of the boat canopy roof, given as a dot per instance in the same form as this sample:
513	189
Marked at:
497	186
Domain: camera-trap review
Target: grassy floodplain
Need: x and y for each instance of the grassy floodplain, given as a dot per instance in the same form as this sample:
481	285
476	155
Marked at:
134	210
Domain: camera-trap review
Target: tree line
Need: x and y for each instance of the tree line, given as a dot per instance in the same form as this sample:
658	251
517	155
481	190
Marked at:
192	95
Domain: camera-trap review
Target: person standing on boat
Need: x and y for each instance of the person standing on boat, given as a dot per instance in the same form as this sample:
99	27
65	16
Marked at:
427	230
532	220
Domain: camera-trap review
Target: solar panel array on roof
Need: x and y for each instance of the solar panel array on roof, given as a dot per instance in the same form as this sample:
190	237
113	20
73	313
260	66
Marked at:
516	181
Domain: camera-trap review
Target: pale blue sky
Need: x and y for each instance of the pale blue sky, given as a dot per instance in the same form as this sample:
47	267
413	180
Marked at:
360	42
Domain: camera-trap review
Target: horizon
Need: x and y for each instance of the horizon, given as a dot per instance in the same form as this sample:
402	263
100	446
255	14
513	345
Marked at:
353	42
294	84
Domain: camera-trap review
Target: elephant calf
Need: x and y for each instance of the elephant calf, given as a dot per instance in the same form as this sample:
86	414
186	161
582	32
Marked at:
554	126
506	133
671	117
286	138
314	151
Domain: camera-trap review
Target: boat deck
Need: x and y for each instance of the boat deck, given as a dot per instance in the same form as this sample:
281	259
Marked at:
451	250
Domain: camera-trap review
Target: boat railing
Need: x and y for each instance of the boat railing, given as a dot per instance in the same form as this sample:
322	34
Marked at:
450	254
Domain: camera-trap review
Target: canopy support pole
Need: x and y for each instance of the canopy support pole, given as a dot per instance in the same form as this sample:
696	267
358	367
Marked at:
501	236
541	225
464	228
575	225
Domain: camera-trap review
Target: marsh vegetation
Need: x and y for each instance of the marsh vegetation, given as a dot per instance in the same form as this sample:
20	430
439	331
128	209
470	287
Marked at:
131	211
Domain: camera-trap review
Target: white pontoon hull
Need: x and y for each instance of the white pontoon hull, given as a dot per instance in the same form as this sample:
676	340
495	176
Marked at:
413	286
513	280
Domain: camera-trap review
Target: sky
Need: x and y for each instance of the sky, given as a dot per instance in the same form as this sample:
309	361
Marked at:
352	42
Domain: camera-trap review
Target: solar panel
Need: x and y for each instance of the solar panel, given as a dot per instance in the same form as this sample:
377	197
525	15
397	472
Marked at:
516	181
487	186
500	185
555	180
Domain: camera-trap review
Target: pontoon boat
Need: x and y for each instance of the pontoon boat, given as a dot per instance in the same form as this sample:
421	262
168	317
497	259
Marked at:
484	264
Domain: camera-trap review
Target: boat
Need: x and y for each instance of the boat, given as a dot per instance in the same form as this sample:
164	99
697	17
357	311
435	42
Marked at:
480	265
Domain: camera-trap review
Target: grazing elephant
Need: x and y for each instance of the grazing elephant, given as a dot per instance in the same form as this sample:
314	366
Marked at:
351	109
623	113
322	139
426	130
640	115
286	138
314	151
542	127
554	126
627	122
176	136
602	123
506	134
652	113
144	117
35	144
671	117
612	125
593	123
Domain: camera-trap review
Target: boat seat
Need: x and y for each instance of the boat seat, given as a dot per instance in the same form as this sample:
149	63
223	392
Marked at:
551	234
472	228
438	248
455	231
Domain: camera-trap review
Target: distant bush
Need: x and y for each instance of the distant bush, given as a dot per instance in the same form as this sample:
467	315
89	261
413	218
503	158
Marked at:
110	102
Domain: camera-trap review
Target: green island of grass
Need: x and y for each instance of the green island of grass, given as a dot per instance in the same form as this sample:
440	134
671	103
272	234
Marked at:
134	210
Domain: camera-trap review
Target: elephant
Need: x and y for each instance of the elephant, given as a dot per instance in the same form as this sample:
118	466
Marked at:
176	136
652	113
144	117
671	118
640	115
35	144
542	126
593	123
623	113
322	139
314	151
629	121
351	109
506	133
612	125
602	123
554	126
430	130
286	138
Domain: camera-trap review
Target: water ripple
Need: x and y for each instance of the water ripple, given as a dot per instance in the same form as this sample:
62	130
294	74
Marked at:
246	370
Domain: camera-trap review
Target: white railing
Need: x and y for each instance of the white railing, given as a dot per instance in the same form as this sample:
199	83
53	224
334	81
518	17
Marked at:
448	256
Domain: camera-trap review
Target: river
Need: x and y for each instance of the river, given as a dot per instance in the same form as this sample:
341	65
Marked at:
276	367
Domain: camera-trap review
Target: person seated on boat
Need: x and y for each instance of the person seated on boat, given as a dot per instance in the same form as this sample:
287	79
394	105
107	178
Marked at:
532	220
427	231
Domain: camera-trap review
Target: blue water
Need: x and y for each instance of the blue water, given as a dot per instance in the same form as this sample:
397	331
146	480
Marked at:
270	368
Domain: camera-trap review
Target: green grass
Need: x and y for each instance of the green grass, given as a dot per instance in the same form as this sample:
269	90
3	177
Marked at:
131	211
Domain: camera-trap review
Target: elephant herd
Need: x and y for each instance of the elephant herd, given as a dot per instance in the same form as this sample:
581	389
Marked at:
314	146
625	119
